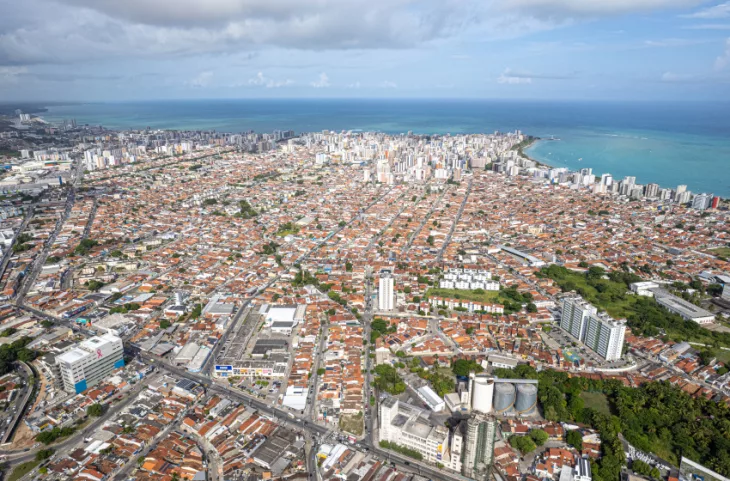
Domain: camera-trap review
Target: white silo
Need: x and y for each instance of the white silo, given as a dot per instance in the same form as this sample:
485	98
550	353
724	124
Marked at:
482	393
504	397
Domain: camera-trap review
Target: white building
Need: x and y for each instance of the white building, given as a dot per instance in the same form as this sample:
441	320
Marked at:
575	315
386	300
409	426
89	362
726	292
605	336
644	288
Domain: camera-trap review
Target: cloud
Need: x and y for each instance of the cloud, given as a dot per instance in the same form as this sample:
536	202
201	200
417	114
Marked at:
322	81
354	85
708	26
201	80
11	74
260	80
674	42
592	8
712	13
723	61
510	76
672	77
387	84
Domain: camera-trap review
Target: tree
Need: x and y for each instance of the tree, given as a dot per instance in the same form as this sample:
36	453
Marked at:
524	444
342	223
321	371
575	439
539	436
430	240
531	307
44	454
462	367
164	324
95	410
348	266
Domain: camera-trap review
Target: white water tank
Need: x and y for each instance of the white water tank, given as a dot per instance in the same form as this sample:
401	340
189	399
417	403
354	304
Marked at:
482	392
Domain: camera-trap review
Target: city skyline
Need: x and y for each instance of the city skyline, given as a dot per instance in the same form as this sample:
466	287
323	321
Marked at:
512	49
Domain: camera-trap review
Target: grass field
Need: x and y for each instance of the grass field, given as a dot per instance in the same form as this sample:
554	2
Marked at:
476	296
22	469
597	401
721	251
352	424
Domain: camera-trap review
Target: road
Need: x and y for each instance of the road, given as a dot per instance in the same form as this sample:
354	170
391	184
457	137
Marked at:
454	222
20	406
418	230
9	250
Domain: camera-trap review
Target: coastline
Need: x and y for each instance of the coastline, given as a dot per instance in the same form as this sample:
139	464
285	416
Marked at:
520	148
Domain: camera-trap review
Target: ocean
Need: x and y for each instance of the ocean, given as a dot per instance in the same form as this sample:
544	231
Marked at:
668	143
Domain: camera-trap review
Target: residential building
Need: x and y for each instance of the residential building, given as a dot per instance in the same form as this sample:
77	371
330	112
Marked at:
478	446
605	336
575	315
386	301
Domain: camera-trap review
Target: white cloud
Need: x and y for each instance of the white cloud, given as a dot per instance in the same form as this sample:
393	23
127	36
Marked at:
723	61
322	81
11	74
711	13
201	80
354	85
387	84
260	80
674	77
592	8
708	26
508	77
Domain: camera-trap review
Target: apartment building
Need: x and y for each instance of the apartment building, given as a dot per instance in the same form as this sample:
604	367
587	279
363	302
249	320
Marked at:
386	301
605	336
575	315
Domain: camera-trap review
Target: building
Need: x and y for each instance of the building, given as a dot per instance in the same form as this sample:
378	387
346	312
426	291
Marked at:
605	336
726	292
89	362
702	201
644	288
432	400
385	292
575	315
409	426
478	446
685	309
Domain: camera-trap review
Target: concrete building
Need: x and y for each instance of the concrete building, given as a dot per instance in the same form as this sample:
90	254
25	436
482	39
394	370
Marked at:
702	201
645	288
409	426
726	292
89	362
575	315
386	300
605	336
685	309
478	446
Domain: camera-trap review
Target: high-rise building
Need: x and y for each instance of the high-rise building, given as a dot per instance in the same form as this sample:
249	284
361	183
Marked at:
478	447
575	315
715	202
683	197
702	201
605	336
726	292
385	292
89	362
652	191
681	189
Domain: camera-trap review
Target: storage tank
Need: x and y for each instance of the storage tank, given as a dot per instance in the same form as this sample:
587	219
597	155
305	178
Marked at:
482	394
504	396
526	398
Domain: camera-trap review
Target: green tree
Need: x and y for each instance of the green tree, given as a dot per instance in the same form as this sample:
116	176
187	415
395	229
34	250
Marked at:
575	439
164	324
524	444
44	454
539	436
95	410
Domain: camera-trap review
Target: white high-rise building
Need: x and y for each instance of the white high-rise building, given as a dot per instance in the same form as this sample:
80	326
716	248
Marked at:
89	362
726	292
386	300
575	315
605	336
702	201
406	425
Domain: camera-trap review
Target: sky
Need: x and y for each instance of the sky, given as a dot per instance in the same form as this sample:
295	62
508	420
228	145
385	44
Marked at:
119	50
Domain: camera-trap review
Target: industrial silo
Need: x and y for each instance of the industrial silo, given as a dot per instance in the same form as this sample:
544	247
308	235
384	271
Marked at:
526	398
482	392
504	397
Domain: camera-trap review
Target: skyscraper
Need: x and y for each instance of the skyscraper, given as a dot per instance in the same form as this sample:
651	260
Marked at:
575	315
702	201
478	446
385	292
605	336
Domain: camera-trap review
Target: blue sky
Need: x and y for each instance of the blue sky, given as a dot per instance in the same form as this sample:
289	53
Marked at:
98	50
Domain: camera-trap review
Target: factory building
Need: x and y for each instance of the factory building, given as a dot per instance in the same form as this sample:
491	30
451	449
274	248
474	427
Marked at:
506	397
89	362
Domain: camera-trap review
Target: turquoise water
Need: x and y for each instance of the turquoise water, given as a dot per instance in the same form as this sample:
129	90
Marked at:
666	143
